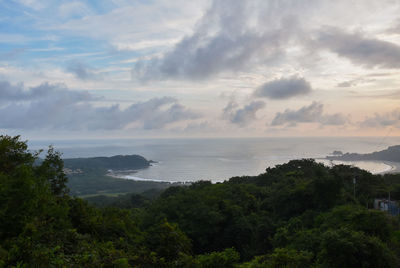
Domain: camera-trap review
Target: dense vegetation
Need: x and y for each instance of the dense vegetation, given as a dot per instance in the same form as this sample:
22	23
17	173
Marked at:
117	162
300	214
98	183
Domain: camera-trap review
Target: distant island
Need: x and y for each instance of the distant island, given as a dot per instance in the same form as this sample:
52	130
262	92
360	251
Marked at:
391	154
337	153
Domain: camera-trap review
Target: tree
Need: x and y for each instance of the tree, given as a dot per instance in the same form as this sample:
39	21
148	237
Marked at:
14	153
52	170
347	248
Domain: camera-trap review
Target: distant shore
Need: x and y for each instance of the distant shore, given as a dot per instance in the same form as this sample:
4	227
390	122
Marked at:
389	167
395	167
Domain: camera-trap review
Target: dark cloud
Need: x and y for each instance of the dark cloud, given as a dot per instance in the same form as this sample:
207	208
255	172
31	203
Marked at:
54	107
284	88
81	71
225	40
242	116
308	114
359	49
390	119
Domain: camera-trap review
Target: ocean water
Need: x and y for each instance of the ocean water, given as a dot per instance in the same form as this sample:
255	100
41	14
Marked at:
220	159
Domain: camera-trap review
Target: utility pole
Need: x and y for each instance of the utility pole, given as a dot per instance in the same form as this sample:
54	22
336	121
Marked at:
354	187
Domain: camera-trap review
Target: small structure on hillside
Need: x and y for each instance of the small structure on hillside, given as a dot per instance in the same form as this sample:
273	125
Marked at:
389	206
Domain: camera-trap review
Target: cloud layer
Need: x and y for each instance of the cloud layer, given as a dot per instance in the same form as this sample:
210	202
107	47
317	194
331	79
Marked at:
225	40
237	36
55	107
389	119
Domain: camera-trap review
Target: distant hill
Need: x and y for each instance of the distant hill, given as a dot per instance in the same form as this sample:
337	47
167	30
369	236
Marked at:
90	176
118	162
392	154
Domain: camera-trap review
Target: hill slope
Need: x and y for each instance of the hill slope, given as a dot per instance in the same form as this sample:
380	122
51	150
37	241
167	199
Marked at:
392	154
88	176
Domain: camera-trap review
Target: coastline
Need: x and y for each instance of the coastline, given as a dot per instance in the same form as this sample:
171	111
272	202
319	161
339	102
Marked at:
127	175
395	168
392	167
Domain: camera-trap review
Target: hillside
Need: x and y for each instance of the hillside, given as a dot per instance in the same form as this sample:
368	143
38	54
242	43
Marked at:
117	162
392	154
89	176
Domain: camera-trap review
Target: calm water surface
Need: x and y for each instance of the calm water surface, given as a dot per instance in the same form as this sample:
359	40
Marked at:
219	159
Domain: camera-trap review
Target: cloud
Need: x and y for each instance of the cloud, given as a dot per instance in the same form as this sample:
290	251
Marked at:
308	114
54	107
81	70
34	4
16	93
390	119
242	116
284	88
358	49
225	40
349	83
356	81
394	29
73	9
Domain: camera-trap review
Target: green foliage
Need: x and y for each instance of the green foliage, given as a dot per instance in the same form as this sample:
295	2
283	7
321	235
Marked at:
52	169
282	258
225	259
347	248
14	153
95	182
167	241
118	162
300	214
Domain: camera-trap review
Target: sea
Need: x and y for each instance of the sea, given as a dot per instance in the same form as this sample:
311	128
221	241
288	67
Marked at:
218	159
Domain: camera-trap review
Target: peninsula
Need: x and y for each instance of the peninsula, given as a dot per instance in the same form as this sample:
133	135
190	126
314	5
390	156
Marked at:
391	154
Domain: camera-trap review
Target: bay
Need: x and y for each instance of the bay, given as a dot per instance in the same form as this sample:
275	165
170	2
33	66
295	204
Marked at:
218	159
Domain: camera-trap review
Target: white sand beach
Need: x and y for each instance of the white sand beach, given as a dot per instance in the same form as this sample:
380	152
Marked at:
375	167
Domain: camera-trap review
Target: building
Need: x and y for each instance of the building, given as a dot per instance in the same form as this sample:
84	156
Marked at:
389	206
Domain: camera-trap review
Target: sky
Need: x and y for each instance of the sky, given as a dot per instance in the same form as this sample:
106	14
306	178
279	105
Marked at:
199	68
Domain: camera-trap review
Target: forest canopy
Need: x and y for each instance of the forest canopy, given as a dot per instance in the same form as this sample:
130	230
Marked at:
298	214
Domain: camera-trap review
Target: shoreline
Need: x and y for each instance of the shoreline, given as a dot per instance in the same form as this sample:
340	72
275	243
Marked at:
128	176
393	167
